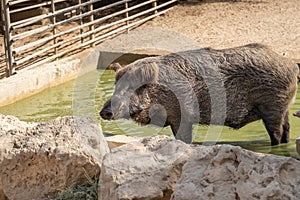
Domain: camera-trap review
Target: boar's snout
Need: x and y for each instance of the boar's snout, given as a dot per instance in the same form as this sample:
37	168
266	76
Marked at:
115	108
106	113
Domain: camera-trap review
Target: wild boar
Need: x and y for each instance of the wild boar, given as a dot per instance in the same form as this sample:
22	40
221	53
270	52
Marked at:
230	87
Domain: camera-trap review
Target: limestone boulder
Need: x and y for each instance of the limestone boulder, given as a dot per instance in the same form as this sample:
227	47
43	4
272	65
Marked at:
158	167
9	123
147	169
230	172
37	160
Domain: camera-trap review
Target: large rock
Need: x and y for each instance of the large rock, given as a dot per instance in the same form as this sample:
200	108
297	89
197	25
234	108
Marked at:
230	172
147	169
37	160
161	168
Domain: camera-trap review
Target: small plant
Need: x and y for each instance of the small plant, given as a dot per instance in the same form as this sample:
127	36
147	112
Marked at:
88	192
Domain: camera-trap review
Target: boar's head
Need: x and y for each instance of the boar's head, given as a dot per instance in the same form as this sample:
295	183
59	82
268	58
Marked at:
134	86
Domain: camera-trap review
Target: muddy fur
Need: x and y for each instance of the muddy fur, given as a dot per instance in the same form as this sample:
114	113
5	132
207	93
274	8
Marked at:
231	87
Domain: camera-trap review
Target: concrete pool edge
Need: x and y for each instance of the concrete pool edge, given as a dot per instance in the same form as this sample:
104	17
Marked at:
32	81
29	82
35	80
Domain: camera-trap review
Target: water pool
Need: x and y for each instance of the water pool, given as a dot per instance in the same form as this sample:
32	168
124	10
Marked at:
86	95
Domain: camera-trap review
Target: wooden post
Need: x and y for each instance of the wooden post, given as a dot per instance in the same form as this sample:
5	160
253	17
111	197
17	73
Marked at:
91	27
127	15
154	5
10	70
54	22
81	20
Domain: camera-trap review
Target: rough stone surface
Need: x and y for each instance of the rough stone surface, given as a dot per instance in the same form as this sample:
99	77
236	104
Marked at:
119	140
143	170
161	168
37	160
230	172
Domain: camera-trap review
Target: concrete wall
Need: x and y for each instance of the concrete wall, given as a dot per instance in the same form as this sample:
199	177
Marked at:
32	81
35	80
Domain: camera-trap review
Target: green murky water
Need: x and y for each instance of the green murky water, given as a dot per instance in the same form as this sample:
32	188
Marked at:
86	95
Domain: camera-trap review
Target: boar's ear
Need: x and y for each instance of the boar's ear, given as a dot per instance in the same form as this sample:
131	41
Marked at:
147	73
115	66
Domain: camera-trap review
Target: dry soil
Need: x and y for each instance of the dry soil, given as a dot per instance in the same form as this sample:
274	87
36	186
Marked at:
221	23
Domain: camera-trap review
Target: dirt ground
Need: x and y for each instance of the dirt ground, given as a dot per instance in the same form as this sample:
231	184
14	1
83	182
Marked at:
229	23
224	23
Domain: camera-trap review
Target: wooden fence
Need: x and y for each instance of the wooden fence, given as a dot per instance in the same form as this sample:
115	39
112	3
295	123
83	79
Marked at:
38	31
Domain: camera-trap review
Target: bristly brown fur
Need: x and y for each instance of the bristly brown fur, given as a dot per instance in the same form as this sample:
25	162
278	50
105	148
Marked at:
231	87
146	73
141	71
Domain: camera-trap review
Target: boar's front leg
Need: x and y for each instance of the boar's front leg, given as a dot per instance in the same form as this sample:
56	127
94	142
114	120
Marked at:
182	131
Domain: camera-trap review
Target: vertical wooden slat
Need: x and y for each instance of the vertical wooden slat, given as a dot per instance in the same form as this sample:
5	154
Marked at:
127	15
54	22
92	27
154	4
81	20
7	37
